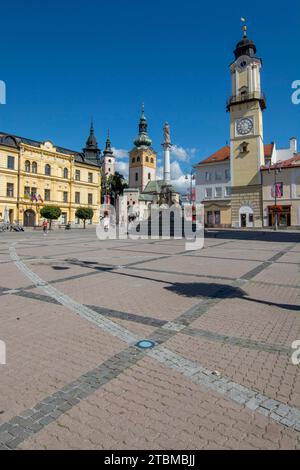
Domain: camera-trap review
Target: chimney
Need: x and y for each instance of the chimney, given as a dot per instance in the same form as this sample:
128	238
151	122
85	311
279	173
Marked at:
293	145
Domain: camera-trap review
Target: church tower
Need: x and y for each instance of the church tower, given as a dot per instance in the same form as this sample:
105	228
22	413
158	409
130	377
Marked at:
142	158
246	107
91	151
108	161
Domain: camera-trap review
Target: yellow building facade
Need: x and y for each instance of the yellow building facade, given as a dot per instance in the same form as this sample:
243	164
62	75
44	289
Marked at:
34	174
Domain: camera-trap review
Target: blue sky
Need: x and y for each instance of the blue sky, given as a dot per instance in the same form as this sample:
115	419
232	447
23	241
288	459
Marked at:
64	62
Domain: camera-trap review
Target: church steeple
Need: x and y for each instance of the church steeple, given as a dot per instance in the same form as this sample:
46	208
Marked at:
91	151
143	140
108	159
108	150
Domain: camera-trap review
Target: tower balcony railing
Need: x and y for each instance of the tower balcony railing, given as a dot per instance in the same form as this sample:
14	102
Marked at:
244	97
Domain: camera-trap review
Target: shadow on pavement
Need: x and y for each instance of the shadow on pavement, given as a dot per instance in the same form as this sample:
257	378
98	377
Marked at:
220	291
287	237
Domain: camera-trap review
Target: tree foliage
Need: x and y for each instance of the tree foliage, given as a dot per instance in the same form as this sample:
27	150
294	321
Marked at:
84	213
113	185
50	213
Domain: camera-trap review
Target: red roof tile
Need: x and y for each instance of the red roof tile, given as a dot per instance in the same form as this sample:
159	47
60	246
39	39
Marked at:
219	156
223	154
290	163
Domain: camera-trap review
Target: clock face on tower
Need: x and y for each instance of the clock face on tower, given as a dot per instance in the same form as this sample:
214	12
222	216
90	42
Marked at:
244	126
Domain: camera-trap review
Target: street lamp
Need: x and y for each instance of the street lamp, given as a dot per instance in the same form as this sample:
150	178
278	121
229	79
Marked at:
277	170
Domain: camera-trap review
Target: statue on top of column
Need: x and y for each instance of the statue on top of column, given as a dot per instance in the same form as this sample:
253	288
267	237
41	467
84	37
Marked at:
167	134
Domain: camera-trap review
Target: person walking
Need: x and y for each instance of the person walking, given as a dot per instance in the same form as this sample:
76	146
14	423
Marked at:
45	227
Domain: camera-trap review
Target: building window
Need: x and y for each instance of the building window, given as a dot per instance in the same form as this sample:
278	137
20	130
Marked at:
27	191
66	173
34	167
218	176
147	159
47	195
228	191
77	175
27	166
47	170
65	196
33	192
109	161
133	160
90	177
207	176
152	160
227	174
218	192
136	177
138	159
208	193
90	199
149	176
11	163
10	190
77	198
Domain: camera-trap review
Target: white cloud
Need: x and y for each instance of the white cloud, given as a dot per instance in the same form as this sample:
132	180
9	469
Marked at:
180	153
176	171
183	154
122	167
120	153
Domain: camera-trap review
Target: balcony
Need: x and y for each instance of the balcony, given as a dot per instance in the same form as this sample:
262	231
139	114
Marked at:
244	97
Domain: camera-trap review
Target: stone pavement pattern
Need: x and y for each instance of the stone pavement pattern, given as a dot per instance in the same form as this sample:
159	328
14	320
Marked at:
73	307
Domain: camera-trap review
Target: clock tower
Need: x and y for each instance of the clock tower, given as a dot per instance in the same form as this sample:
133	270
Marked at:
246	106
142	158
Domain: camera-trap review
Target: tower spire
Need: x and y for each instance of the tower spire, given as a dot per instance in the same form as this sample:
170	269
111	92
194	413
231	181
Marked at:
143	140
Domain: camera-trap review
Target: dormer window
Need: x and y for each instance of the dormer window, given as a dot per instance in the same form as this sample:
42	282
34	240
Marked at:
244	147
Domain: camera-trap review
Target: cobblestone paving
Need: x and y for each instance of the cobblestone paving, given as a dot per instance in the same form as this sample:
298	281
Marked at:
72	309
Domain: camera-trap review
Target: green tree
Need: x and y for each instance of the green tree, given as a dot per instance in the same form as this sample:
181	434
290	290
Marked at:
50	213
113	185
84	213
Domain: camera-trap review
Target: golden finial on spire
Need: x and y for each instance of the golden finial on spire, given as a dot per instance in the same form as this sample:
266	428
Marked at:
243	20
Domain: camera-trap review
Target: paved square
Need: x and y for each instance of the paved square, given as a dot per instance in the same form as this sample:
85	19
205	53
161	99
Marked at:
223	319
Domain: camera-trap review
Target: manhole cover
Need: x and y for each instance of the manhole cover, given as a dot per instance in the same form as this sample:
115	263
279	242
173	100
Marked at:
145	344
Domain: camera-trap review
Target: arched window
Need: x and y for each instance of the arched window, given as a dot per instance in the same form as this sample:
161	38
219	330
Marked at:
27	166
149	176
152	160
66	173
136	177
34	167
138	159
47	170
133	160
147	159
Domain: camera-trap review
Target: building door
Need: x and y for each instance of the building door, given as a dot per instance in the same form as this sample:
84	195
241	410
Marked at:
29	218
11	216
64	218
217	218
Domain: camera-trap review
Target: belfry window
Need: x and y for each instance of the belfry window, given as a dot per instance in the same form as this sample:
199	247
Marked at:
34	167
